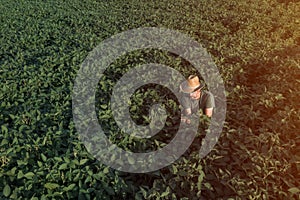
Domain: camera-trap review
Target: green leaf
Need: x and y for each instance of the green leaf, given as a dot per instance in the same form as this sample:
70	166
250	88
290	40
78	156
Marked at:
76	178
12	116
166	193
44	158
75	161
4	142
106	170
131	160
103	106
40	164
83	161
59	159
70	187
6	190
29	175
174	169
20	174
294	190
144	192
4	129
51	186
63	166
67	160
12	172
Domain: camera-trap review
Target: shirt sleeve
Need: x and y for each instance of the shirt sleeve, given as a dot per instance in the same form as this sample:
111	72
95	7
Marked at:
210	102
185	104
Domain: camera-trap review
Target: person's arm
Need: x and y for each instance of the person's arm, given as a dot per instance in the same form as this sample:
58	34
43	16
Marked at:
187	111
209	112
210	104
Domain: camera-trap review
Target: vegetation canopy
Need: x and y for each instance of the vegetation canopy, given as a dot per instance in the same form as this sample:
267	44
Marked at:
256	47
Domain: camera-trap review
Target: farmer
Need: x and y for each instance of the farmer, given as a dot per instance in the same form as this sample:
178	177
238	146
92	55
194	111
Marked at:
193	99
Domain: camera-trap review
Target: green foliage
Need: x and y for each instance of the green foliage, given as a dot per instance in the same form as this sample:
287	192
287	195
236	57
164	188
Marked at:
255	46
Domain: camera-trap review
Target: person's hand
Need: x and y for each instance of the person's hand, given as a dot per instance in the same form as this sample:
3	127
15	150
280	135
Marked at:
185	120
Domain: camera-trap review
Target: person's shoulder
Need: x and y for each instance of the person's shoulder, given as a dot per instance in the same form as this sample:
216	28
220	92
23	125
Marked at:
207	93
184	97
209	98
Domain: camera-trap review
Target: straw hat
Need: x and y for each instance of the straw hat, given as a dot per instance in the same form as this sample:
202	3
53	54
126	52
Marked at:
191	84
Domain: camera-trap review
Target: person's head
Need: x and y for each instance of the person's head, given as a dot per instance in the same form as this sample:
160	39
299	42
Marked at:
192	87
196	94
